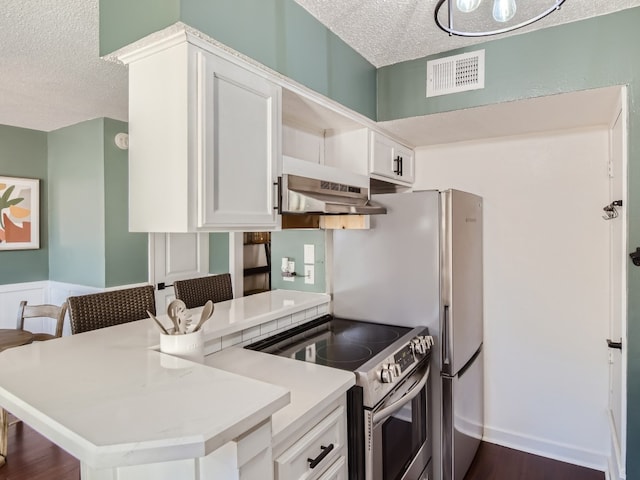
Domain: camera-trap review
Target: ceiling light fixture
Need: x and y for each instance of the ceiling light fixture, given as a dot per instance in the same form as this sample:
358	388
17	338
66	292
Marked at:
480	18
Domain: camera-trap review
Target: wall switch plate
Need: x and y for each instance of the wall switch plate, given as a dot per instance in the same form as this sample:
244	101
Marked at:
310	254
309	274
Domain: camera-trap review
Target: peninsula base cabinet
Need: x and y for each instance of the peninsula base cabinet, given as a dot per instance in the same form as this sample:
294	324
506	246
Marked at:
246	458
204	139
320	453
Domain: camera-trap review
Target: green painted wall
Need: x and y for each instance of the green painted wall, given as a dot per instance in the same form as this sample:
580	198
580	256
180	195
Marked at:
124	21
218	252
278	33
23	153
76	201
598	52
290	243
126	256
89	239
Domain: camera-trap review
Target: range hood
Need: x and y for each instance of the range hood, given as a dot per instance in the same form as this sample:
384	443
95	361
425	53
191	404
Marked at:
310	188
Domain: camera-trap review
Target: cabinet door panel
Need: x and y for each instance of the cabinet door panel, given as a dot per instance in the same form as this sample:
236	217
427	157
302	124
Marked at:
239	152
390	159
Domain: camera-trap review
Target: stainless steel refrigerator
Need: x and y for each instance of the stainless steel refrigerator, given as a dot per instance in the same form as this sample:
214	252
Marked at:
421	264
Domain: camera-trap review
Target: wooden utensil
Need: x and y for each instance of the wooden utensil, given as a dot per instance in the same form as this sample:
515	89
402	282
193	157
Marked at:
164	330
207	311
172	312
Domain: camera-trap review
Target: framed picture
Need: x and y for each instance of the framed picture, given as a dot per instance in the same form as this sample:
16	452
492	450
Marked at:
19	213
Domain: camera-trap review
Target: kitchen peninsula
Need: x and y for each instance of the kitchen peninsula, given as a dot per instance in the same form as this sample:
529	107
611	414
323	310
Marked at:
111	399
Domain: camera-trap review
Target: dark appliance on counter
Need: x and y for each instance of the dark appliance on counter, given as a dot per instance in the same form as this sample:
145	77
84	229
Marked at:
388	408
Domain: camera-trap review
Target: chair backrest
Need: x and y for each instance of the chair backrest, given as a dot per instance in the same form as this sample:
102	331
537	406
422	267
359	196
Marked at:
42	311
196	291
106	309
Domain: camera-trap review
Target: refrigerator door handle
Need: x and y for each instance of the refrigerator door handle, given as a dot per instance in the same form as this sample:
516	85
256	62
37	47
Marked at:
446	328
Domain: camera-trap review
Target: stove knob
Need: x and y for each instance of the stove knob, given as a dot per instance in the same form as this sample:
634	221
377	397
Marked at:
418	346
395	368
386	376
427	340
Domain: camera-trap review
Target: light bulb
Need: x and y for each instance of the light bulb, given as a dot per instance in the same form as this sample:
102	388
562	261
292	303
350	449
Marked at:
504	10
467	6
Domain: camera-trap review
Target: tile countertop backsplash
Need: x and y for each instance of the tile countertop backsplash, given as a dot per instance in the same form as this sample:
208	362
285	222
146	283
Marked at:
245	320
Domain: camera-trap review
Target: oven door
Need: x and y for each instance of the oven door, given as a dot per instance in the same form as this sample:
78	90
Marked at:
398	432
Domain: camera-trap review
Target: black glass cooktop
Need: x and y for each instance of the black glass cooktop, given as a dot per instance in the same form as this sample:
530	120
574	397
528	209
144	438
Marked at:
334	342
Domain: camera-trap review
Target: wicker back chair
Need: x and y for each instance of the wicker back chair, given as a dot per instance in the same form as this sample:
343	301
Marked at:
42	311
196	291
106	309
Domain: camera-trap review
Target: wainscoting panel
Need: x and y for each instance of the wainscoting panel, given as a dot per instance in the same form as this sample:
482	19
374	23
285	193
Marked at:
10	298
37	293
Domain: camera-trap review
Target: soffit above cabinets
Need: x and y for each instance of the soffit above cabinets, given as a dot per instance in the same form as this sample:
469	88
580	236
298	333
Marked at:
583	109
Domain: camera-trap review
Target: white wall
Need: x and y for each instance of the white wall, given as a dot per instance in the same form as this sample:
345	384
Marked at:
546	285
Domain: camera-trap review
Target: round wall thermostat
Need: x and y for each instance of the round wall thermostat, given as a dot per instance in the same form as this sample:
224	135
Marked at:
122	141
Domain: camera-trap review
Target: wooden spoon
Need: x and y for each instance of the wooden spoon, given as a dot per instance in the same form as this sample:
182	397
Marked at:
207	311
164	330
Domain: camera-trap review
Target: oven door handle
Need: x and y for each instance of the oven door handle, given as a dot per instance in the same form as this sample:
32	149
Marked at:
386	412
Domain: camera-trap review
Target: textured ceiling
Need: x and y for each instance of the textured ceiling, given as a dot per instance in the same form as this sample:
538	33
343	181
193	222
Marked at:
51	75
391	31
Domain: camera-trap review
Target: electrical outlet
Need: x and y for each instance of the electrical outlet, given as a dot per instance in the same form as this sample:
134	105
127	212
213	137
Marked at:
309	274
291	269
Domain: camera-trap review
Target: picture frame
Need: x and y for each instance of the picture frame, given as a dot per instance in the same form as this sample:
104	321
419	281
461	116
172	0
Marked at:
19	213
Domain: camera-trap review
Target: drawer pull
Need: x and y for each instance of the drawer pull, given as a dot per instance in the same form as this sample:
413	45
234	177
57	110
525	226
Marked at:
313	462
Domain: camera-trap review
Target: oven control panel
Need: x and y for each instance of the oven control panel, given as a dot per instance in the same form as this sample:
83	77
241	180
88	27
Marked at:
397	364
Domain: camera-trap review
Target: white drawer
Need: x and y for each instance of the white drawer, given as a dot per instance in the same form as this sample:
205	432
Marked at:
294	463
337	471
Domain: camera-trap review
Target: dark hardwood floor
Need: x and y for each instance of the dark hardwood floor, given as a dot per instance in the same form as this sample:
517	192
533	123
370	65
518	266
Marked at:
494	462
32	457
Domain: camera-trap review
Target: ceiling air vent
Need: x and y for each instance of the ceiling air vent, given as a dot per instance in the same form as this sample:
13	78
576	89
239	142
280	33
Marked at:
457	73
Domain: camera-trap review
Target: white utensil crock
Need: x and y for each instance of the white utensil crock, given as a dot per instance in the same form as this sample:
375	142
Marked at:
189	346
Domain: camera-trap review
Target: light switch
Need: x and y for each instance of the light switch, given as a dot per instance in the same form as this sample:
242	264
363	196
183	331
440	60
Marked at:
310	254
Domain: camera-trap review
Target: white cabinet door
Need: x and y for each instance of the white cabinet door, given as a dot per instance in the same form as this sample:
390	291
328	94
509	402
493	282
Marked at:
239	146
337	471
390	159
176	256
204	141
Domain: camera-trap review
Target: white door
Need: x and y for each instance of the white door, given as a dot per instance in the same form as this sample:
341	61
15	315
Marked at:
176	256
618	285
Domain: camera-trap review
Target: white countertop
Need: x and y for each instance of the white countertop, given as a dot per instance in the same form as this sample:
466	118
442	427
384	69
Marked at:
312	386
242	313
110	399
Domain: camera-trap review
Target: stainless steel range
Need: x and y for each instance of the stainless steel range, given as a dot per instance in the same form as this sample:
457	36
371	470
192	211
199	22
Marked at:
388	409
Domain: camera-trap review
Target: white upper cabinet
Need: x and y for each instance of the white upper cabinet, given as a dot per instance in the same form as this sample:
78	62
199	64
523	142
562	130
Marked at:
239	164
390	160
204	140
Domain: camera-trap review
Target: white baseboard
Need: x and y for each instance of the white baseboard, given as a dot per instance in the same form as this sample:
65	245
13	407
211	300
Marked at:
546	448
